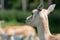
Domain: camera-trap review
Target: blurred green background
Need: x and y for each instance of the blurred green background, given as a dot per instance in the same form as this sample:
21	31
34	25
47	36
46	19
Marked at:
14	12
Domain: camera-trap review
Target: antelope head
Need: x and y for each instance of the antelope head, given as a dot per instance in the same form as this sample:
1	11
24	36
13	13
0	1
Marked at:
39	14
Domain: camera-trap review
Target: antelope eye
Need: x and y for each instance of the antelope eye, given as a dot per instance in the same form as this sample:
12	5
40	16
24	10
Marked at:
32	13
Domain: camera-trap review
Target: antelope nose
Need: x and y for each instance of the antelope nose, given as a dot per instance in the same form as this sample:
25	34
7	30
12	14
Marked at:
27	21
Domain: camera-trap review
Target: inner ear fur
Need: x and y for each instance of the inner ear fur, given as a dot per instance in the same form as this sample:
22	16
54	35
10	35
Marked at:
51	8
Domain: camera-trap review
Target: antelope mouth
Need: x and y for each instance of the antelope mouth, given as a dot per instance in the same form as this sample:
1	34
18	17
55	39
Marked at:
28	21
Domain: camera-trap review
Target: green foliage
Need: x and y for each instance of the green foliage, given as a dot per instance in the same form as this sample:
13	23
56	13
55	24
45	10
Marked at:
18	15
33	4
54	21
17	4
12	4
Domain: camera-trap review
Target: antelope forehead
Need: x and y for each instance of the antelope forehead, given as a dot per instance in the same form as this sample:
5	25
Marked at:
43	11
35	10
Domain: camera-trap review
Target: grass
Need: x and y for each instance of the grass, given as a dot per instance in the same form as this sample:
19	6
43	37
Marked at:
12	23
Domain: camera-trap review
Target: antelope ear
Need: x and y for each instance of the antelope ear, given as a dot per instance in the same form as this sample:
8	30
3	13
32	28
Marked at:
51	8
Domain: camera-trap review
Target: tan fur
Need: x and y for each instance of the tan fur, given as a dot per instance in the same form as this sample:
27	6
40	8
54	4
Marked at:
1	32
37	38
40	19
19	30
45	23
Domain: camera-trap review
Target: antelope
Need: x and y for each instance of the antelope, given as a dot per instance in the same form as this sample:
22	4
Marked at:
20	30
1	29
10	31
39	18
3	36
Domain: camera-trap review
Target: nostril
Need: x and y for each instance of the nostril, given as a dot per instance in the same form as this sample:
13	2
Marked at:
27	21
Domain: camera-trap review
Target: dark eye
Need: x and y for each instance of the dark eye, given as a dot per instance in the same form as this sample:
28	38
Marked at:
32	13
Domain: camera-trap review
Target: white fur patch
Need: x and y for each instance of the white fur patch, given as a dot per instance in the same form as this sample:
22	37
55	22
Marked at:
35	10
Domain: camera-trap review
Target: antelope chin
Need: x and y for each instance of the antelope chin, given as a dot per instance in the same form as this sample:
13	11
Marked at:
28	22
